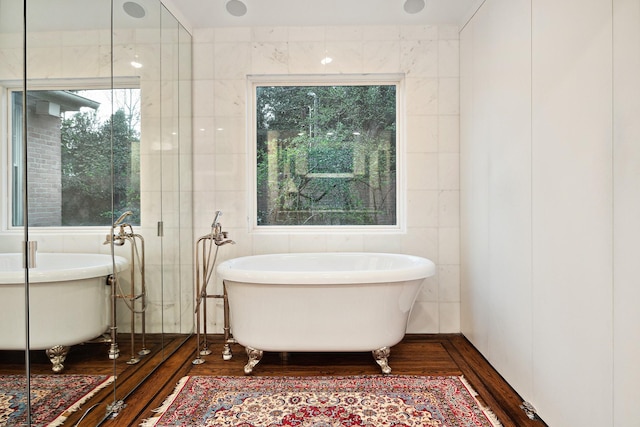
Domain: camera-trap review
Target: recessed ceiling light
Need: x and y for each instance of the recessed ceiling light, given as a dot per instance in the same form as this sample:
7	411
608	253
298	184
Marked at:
134	10
326	60
236	8
414	6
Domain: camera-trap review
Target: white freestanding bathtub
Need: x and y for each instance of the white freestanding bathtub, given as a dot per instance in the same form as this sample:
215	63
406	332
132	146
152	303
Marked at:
322	301
69	301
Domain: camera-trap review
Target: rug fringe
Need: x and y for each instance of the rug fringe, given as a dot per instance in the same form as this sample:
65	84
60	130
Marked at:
491	416
73	408
150	422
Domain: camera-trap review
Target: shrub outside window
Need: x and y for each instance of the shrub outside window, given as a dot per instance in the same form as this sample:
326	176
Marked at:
326	154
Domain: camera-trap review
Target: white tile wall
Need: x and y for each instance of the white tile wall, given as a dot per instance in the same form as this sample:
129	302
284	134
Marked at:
426	55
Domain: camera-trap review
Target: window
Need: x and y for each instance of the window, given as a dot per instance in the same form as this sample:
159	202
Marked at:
326	154
74	146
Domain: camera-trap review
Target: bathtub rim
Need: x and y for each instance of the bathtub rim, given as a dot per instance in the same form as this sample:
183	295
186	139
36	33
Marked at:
415	267
46	275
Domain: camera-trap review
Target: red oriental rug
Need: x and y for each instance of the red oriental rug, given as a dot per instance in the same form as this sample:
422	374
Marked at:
53	397
372	401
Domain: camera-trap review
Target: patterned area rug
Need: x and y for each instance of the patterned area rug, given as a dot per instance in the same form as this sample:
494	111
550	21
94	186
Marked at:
372	401
53	397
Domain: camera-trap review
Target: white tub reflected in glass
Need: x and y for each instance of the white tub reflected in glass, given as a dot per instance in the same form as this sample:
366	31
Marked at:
69	301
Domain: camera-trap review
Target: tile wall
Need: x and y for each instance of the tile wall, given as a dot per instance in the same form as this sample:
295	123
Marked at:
428	58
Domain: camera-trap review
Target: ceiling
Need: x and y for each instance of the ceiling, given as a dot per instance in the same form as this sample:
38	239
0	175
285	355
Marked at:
45	15
212	13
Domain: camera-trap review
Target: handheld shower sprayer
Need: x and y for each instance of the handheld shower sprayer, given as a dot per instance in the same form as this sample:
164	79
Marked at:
121	218
215	219
118	239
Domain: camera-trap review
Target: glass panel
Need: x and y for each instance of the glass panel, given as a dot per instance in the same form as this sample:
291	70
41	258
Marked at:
326	155
84	180
13	282
184	288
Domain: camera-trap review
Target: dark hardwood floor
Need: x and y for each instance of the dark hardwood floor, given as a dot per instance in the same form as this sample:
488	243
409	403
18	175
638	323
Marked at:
448	354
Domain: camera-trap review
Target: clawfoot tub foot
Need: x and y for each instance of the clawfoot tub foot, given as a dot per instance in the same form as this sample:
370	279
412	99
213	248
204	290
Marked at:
381	356
254	358
57	355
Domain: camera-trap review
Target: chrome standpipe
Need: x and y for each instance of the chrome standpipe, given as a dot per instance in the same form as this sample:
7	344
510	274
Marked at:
204	270
114	352
132	299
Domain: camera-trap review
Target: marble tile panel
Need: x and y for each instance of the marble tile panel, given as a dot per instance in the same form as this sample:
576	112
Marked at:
449	96
381	33
381	56
11	64
422	134
449	245
232	60
232	34
230	98
345	243
308	242
448	58
203	93
203	35
204	135
419	32
203	60
420	241
429	290
449	208
347	57
305	57
448	32
382	243
449	320
230	172
422	96
424	318
204	174
449	134
230	135
269	58
270	243
422	208
270	34
419	58
343	33
44	62
449	283
449	171
307	34
422	171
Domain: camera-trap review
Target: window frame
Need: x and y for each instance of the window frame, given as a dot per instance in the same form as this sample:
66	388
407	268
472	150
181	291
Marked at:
253	81
7	88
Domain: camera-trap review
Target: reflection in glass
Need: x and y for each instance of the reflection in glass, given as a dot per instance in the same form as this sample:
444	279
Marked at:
73	169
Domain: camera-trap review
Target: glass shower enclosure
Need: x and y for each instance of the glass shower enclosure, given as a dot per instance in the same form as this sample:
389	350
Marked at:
95	114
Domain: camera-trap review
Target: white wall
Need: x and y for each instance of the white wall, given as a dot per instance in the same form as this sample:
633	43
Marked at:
626	225
428	56
496	218
550	200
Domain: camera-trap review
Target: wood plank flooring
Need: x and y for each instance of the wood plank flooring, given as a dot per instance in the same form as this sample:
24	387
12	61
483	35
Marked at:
441	354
